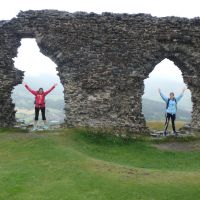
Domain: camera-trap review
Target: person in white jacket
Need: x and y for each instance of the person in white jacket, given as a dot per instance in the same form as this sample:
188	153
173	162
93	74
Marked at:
171	109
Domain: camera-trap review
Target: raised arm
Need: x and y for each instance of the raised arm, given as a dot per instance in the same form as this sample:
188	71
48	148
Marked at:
181	95
49	90
29	89
163	96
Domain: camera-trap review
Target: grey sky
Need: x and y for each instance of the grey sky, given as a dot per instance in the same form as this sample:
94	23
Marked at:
184	8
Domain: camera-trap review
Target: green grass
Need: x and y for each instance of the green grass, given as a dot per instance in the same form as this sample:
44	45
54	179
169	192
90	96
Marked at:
72	164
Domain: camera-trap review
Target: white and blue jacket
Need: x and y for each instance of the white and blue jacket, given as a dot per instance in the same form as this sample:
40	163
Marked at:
172	108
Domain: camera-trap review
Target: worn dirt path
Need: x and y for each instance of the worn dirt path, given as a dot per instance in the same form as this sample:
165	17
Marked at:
179	146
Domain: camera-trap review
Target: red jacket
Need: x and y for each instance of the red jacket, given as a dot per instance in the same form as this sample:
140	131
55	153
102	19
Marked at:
39	98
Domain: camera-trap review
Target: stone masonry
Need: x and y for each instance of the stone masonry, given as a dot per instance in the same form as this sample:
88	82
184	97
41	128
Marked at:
102	61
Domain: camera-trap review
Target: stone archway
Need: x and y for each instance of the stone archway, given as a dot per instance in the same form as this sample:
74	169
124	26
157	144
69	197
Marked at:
168	77
39	71
102	61
189	76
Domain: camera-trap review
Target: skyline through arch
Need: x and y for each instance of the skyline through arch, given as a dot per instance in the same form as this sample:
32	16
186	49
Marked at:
39	71
168	77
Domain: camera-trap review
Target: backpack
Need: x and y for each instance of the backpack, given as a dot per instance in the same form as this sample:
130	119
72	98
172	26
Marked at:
167	105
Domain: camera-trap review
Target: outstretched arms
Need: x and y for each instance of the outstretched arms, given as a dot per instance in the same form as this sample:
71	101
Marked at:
29	89
162	95
49	90
35	92
181	95
177	98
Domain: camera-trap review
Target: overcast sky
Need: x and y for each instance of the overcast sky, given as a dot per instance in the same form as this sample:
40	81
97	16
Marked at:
183	8
33	62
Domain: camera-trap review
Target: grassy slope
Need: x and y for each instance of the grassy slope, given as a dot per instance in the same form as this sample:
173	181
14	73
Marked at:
72	165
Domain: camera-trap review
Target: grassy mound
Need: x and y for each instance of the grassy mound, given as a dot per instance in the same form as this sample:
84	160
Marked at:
72	164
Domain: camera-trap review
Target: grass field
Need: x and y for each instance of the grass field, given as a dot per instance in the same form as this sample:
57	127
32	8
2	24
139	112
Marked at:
70	164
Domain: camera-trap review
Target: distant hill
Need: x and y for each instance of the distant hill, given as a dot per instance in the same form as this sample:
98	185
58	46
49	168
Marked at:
154	110
153	106
166	86
24	100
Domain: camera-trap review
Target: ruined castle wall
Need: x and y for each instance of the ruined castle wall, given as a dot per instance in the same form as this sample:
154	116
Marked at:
102	62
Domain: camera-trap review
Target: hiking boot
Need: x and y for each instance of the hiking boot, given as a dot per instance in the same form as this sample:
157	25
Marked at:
34	129
175	133
165	133
45	127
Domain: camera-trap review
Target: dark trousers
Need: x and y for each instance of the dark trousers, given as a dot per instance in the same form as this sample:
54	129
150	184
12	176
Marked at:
37	110
173	118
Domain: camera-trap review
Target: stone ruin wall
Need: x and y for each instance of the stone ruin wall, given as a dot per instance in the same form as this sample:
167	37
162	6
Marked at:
102	61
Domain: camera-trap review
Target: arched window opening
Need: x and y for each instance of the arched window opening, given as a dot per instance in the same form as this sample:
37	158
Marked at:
168	78
40	71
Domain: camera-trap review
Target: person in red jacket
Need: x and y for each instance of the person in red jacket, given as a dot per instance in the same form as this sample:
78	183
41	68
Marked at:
39	103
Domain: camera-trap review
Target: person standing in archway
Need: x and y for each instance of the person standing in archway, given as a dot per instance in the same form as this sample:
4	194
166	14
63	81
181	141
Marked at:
39	103
171	109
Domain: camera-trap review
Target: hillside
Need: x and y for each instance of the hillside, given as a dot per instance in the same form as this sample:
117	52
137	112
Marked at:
154	110
153	106
167	86
72	164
